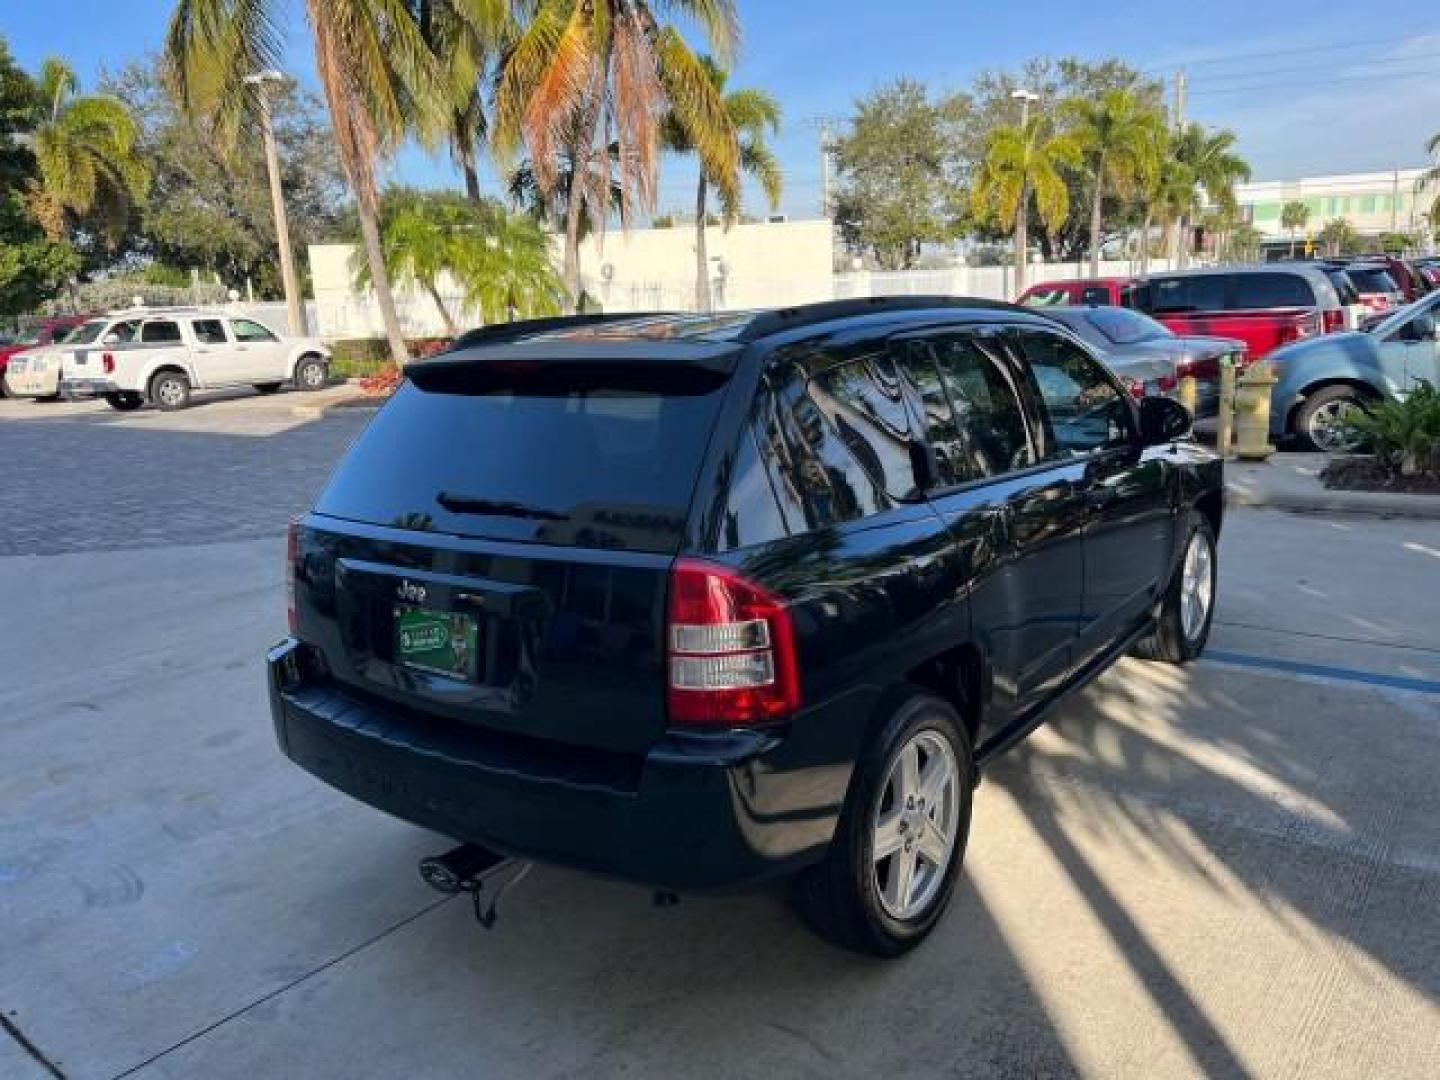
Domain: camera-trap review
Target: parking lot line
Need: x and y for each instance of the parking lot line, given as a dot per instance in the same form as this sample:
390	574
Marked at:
1324	671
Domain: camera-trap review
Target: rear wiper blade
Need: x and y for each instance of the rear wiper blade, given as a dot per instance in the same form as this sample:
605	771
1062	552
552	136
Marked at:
469	504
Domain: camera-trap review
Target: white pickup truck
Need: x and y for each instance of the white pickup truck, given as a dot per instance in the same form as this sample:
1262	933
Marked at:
161	355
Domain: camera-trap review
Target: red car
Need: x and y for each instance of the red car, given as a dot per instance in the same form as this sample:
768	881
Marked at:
1263	306
44	332
1094	292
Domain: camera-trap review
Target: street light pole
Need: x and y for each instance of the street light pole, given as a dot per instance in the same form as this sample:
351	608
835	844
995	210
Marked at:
294	312
1022	241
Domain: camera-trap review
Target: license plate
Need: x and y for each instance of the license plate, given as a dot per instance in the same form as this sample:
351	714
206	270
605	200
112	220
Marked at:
440	642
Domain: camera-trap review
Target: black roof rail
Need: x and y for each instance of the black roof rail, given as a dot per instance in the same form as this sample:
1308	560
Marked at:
500	333
779	320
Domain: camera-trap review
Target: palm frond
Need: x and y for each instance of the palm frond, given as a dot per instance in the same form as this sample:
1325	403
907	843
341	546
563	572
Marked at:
701	111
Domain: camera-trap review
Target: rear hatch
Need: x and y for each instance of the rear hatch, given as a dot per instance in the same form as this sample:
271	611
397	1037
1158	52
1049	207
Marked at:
495	548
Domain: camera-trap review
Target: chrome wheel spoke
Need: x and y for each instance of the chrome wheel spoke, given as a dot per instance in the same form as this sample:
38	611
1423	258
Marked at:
902	880
934	847
888	837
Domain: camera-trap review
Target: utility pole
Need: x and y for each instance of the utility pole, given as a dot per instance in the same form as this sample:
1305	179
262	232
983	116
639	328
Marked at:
825	143
1180	88
293	309
1395	199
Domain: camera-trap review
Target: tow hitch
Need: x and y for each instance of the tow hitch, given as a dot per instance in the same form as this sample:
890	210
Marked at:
469	869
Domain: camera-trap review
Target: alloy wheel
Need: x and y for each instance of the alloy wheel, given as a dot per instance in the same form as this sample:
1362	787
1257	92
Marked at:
914	825
1328	425
1197	585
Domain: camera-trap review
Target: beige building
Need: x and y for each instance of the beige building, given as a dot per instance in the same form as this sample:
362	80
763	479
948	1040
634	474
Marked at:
1373	203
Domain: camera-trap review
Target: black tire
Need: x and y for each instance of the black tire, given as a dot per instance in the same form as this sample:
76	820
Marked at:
840	897
170	390
1310	416
125	401
267	387
1169	641
311	373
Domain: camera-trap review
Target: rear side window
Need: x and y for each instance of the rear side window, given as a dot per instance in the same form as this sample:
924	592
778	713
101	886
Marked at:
817	481
1047	296
1095	295
592	465
208	331
160	332
752	512
1086	411
972	408
1257	291
1344	286
1372	279
1178	295
865	403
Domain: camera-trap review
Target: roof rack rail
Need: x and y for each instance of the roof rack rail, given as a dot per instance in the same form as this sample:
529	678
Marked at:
500	333
766	323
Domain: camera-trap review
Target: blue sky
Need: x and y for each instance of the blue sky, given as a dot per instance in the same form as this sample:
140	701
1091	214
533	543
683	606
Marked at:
1311	86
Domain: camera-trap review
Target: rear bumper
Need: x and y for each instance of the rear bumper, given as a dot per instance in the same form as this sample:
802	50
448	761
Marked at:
87	387
696	812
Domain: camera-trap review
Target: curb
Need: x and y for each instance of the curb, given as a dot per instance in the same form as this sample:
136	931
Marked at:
356	400
1325	501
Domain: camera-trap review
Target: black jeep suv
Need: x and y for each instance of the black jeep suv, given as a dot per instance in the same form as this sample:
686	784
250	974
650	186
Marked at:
697	601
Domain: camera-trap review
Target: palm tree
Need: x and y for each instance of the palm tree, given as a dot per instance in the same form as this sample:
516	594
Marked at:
1213	168
1117	134
1293	216
500	259
583	74
1019	162
85	151
749	114
464	36
380	80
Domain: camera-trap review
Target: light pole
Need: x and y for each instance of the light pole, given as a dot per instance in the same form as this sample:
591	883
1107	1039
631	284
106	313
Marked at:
1022	239
293	310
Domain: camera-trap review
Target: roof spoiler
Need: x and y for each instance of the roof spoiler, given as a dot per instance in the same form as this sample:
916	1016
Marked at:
501	333
766	323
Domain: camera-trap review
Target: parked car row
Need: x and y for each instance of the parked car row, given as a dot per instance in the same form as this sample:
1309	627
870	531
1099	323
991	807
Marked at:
33	336
1301	316
159	355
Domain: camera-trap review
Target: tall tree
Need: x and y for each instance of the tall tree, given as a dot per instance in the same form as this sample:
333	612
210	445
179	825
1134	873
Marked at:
896	168
1022	162
1339	237
85	150
464	36
1293	216
1210	164
1430	181
1117	134
380	81
209	210
750	114
583	74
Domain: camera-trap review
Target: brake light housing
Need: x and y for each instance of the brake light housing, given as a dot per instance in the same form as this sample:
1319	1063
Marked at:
1333	320
292	560
730	649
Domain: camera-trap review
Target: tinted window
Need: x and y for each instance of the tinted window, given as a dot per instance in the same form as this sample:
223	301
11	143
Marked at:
972	407
1372	279
1121	326
1344	286
1085	410
85	333
864	402
816	480
246	330
602	465
160	331
1201	292
1254	291
208	331
752	513
1095	294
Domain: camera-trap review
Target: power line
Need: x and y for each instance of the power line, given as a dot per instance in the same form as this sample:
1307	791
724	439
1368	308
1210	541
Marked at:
1427	63
1293	84
1296	51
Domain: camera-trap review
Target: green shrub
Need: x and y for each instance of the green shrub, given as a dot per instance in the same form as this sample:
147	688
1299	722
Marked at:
1404	435
356	358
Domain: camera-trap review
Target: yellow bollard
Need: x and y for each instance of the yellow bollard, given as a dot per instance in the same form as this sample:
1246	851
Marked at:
1225	421
1252	414
1188	394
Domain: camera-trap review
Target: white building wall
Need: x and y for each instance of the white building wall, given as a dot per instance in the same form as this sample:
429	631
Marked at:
1373	202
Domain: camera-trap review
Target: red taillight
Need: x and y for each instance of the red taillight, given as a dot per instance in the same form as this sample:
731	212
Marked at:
731	649
292	559
1333	321
1167	384
107	361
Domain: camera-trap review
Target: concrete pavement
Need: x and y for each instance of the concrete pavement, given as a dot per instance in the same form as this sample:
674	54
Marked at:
1226	869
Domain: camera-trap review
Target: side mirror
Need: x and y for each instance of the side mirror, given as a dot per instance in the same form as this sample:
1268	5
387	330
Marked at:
1163	420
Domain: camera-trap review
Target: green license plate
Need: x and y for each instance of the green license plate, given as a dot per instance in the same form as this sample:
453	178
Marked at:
440	642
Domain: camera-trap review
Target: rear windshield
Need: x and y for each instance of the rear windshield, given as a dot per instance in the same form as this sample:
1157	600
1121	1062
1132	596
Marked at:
596	466
1372	279
1125	327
